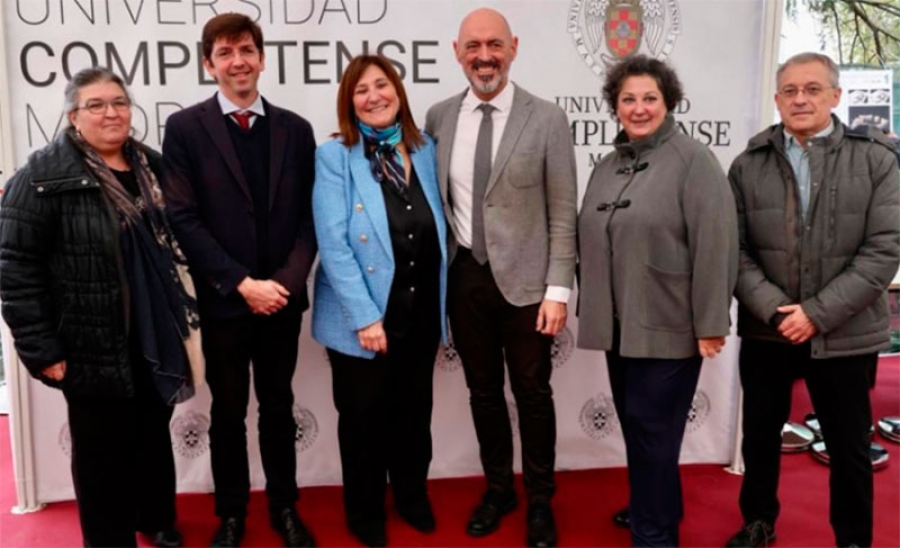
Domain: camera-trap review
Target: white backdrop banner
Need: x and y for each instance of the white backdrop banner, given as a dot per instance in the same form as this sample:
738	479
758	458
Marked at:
563	54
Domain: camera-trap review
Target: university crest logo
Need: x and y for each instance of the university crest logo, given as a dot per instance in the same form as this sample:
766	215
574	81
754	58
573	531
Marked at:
598	417
606	31
699	412
64	439
447	359
561	351
307	428
190	434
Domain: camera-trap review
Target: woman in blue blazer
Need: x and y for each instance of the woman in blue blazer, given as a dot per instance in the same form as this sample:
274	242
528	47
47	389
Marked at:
379	294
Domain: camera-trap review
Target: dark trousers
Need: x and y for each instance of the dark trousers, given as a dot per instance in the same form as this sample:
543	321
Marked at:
384	425
652	399
270	342
839	390
122	465
487	328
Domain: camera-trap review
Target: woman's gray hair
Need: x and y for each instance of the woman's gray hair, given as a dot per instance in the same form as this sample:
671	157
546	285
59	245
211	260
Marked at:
88	76
834	75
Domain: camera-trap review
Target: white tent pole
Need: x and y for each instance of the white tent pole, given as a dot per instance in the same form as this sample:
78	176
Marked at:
771	43
17	383
774	14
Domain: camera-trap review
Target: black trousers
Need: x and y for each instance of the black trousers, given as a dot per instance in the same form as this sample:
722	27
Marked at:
652	399
384	425
270	343
839	390
487	329
122	464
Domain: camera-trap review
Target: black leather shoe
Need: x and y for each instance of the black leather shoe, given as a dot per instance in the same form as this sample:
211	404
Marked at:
541	525
167	538
287	523
418	516
229	534
622	519
486	516
369	533
753	534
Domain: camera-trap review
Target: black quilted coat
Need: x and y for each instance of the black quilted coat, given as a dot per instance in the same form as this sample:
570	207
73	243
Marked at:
62	283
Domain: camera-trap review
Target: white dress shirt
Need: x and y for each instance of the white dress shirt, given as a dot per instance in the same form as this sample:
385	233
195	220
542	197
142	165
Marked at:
228	107
462	165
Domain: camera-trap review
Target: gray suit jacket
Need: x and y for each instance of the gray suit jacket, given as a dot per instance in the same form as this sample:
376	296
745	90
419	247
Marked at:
530	201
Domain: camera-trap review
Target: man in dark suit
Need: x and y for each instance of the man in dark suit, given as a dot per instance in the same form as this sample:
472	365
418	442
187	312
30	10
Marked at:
506	169
238	180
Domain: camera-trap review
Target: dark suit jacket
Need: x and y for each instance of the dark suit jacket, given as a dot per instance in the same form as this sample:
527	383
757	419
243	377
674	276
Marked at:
212	212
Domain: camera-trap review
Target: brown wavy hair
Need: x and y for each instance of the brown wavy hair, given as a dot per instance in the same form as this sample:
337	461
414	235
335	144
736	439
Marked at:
347	120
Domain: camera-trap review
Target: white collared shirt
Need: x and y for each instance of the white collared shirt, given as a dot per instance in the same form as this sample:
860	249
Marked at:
462	165
228	107
462	160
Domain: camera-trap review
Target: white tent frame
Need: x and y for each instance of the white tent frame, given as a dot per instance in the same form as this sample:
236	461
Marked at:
18	380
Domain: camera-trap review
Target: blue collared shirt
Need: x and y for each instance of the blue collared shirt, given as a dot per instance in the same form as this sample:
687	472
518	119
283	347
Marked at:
798	156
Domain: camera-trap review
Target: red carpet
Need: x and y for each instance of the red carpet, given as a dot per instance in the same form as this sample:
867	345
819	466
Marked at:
584	503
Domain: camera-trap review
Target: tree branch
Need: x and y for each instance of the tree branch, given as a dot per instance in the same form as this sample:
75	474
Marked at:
861	14
866	31
883	5
856	38
837	28
876	28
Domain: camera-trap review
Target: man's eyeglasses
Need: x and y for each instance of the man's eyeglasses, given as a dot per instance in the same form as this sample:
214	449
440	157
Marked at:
97	106
812	91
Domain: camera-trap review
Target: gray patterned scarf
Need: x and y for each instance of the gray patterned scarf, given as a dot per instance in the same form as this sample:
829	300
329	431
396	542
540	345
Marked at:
162	297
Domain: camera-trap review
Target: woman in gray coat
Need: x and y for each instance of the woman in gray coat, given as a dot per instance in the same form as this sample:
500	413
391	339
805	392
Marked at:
658	248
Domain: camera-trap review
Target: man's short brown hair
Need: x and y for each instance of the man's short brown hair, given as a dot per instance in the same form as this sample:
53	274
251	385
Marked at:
231	27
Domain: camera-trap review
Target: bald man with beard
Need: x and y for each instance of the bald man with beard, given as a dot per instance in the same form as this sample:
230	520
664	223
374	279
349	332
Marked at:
506	168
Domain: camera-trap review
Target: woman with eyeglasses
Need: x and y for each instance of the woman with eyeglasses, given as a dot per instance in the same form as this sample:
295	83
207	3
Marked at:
96	293
658	250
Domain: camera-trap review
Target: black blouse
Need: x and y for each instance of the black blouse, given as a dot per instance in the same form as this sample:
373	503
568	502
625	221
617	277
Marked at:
414	301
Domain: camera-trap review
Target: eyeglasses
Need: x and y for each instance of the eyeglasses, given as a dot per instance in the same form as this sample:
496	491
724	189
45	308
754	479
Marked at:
812	91
98	106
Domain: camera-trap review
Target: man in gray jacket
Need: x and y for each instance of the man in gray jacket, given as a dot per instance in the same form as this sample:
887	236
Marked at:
506	169
819	220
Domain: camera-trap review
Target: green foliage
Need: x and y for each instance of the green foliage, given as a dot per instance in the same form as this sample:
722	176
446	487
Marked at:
866	32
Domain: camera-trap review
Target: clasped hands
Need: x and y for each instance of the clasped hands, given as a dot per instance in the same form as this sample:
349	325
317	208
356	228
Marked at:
264	297
796	326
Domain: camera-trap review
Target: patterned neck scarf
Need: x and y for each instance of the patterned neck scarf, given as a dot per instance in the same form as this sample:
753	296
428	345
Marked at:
160	289
384	158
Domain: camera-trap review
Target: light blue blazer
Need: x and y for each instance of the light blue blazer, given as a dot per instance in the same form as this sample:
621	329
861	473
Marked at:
356	259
